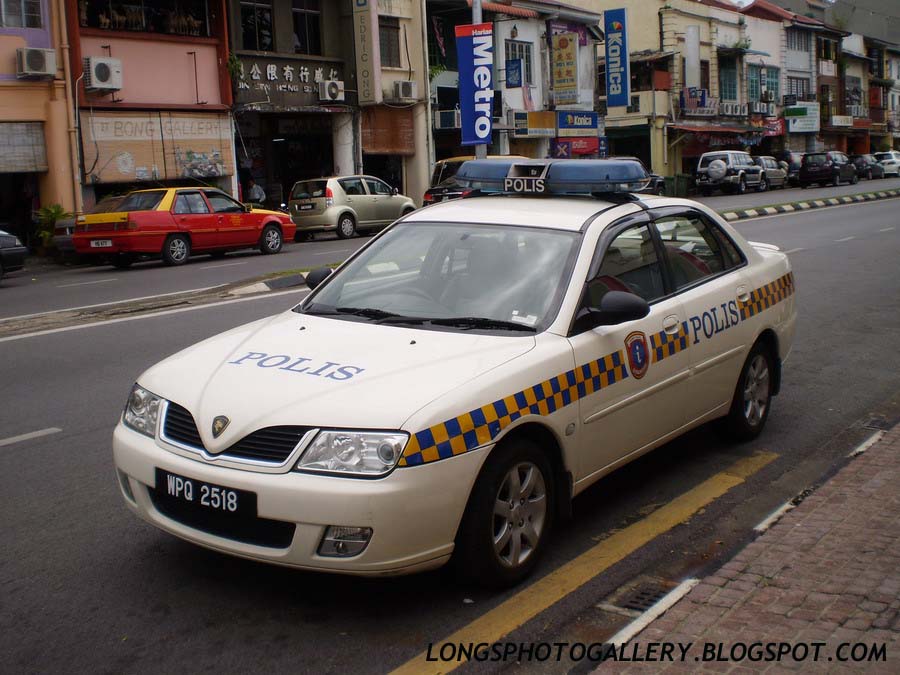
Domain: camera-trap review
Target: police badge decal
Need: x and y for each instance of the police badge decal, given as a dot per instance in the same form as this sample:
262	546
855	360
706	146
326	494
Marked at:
638	354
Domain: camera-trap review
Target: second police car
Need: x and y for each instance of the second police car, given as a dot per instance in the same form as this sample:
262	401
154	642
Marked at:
454	384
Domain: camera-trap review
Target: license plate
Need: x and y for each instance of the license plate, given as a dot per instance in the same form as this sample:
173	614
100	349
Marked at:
306	207
101	243
206	496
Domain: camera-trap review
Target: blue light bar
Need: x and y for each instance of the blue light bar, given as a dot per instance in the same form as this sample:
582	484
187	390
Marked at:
554	177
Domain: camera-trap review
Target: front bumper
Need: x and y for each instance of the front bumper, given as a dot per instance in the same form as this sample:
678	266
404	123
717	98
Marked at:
414	512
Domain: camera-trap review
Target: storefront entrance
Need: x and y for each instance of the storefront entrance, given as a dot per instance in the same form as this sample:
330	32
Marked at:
18	200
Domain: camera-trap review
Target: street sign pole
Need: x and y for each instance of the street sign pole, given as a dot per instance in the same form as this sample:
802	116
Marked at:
481	148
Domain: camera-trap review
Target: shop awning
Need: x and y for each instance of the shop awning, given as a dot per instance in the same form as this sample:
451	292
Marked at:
855	55
507	9
739	51
716	129
643	56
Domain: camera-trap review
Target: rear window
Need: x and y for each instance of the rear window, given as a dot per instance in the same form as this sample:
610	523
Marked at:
815	159
142	201
309	189
881	156
706	159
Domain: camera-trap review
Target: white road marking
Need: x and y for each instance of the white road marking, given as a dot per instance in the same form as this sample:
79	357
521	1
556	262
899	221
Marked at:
213	267
165	312
87	283
793	250
773	517
657	610
844	239
105	304
866	444
341	252
887	229
27	437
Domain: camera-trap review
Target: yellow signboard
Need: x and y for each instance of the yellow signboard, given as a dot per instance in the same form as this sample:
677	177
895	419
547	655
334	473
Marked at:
564	70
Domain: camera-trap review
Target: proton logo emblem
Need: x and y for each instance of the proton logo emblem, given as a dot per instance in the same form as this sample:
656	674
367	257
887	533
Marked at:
219	424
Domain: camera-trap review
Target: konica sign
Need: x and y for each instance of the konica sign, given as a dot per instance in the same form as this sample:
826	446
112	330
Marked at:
617	77
475	50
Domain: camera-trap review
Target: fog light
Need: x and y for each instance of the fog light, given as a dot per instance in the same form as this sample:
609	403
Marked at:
125	484
344	542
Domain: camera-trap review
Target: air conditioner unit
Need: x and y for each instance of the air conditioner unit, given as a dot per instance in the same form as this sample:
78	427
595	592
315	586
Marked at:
447	119
102	73
35	62
331	90
724	108
406	90
758	108
741	109
768	96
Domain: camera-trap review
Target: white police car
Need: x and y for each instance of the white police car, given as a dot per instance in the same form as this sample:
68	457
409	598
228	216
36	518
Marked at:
454	384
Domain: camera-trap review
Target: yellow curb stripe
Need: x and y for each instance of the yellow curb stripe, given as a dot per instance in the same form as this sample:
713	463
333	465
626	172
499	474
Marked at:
535	598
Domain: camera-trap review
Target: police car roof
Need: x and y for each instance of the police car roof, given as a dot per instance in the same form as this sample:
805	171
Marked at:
559	213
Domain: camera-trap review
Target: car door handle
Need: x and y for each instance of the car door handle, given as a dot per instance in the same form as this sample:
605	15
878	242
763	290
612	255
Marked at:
671	324
742	294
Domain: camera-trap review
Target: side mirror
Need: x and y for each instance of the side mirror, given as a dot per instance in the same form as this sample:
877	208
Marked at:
316	277
395	191
248	208
616	307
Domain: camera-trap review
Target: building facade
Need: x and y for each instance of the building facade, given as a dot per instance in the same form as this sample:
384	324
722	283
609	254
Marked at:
38	154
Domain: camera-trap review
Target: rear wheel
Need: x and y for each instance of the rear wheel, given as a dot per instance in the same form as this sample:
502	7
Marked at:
508	517
270	241
346	226
742	186
763	184
176	250
752	396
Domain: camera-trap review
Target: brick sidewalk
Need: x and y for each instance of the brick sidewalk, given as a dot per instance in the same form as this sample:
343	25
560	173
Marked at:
828	571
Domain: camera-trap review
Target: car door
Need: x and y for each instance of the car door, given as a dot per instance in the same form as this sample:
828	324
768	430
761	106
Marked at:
387	206
705	268
635	374
192	214
358	198
234	226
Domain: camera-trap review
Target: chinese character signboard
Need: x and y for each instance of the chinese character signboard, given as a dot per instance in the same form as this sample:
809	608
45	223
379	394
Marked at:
618	80
284	82
475	53
564	70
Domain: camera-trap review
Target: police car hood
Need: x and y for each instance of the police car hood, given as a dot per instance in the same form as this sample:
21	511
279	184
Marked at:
295	369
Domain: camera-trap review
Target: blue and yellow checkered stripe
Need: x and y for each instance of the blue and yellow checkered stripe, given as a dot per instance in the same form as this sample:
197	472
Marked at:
664	345
478	427
766	296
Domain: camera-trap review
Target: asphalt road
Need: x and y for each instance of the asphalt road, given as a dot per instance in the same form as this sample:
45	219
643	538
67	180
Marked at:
87	587
42	288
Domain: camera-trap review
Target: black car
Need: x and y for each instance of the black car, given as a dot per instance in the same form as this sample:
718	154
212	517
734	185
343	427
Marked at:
826	168
867	166
793	160
445	191
12	253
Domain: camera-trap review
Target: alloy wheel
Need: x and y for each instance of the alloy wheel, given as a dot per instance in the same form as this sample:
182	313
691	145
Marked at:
520	512
756	390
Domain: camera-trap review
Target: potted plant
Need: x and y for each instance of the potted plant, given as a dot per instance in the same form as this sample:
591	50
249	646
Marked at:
47	216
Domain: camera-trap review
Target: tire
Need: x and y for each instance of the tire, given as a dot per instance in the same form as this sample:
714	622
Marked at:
346	226
836	180
176	250
122	261
869	174
661	190
742	186
763	184
270	241
481	554
752	396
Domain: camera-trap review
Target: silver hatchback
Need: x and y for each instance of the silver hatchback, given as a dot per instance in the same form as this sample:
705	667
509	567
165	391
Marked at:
345	204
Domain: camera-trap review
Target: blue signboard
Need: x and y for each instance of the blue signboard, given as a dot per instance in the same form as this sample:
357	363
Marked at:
475	51
618	80
513	73
576	123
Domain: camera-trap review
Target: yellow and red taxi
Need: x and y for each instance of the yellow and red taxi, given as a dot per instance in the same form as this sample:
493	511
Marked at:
173	223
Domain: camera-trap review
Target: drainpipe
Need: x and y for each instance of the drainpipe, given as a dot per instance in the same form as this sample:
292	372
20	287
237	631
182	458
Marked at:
70	108
428	112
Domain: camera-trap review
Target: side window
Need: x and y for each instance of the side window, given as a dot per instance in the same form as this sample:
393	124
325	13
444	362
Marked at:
630	264
352	186
695	248
190	202
223	204
377	187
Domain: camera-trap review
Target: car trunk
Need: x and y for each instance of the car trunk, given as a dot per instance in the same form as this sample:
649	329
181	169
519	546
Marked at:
310	197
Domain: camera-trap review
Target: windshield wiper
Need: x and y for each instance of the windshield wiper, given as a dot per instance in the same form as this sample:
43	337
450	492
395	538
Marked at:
366	312
481	322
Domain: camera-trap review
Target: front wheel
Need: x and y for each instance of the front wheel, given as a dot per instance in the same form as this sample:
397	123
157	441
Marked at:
176	250
270	241
508	517
752	396
346	226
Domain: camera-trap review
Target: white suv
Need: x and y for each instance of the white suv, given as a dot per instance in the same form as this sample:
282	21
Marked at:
729	171
890	160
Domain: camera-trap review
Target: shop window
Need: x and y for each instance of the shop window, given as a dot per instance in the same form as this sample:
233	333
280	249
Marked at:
798	40
169	17
389	37
728	90
20	14
307	17
516	49
256	26
799	87
755	81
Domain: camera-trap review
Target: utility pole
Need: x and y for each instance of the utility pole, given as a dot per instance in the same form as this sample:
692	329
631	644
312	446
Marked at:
481	148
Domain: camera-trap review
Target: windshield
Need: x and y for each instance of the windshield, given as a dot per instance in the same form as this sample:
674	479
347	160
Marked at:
142	201
706	159
881	156
815	159
455	276
309	189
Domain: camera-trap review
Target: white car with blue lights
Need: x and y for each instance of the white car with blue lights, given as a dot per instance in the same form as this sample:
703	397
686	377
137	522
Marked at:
455	383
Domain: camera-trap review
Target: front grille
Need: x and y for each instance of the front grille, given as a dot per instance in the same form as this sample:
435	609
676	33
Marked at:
248	530
272	444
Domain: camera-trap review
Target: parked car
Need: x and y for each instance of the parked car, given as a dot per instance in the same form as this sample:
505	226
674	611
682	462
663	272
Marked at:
345	204
447	168
867	166
729	171
774	174
173	223
444	192
890	162
825	168
793	161
12	253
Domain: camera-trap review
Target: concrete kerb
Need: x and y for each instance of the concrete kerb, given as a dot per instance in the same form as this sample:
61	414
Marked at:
805	205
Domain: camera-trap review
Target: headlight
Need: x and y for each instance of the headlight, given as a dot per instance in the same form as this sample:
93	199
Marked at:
142	411
18	243
360	453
